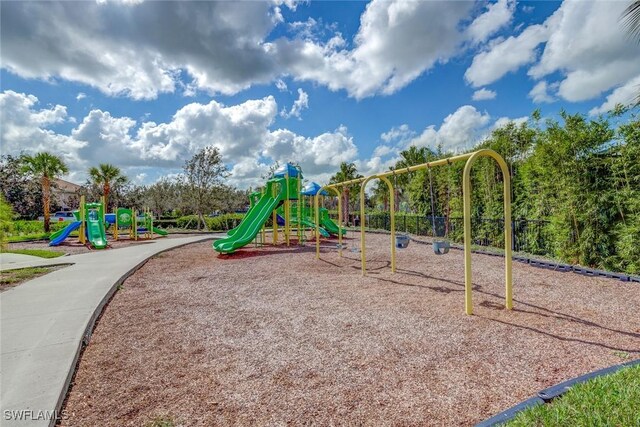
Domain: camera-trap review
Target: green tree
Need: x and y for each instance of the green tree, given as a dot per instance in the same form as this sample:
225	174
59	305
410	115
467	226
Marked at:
411	186
161	196
20	191
625	178
347	172
631	23
108	177
44	167
203	175
6	221
631	19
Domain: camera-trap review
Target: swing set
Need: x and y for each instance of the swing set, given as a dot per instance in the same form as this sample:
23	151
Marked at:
440	246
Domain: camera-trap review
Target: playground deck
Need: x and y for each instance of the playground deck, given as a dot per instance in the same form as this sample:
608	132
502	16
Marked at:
273	336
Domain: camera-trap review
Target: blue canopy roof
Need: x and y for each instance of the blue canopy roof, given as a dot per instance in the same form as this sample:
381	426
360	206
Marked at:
285	169
311	189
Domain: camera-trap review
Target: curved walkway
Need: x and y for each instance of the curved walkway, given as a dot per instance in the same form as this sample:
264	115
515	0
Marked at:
9	261
44	323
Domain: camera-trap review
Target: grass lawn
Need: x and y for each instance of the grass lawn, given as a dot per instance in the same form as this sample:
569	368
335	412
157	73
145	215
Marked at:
28	237
42	253
612	400
15	277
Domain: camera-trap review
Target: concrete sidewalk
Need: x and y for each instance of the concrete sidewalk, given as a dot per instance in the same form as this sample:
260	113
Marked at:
44	323
10	261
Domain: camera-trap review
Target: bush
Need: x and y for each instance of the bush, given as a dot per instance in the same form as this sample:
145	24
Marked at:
28	227
6	223
219	223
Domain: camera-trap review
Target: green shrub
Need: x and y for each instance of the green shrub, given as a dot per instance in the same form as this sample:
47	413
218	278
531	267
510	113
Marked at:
6	221
27	227
219	223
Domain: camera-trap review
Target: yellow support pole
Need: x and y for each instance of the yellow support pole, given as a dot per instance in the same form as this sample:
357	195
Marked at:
115	225
83	227
274	217
317	222
339	194
264	226
470	158
316	200
298	205
363	256
134	224
466	187
287	217
148	215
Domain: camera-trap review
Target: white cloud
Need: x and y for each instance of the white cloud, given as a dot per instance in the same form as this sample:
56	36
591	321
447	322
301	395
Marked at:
583	42
382	151
590	48
459	130
241	132
300	104
528	8
483	94
503	121
24	128
625	95
398	134
504	56
281	85
396	42
144	49
316	155
540	92
139	50
80	96
498	15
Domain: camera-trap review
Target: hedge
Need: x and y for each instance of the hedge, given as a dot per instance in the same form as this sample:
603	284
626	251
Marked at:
218	223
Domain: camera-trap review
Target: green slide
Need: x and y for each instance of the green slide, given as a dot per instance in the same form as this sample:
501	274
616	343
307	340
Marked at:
254	219
308	223
95	226
159	231
328	223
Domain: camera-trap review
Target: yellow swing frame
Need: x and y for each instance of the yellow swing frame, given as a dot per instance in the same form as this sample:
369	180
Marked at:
469	159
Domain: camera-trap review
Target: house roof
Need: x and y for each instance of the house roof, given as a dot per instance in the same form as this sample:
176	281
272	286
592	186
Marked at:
66	186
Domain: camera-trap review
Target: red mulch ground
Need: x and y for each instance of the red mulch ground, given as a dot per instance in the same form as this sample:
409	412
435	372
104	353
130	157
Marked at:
273	336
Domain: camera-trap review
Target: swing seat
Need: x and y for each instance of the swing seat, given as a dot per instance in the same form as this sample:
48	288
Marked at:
402	241
441	247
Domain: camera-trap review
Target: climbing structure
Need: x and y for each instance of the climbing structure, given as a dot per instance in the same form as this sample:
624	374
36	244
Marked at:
283	200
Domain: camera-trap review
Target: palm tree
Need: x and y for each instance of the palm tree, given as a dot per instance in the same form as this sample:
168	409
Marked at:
108	176
45	167
631	23
631	19
409	157
347	172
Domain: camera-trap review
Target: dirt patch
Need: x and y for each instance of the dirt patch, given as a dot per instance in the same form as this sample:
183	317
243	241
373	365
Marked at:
274	336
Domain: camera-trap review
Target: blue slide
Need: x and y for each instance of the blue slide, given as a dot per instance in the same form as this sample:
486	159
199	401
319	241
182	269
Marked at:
59	236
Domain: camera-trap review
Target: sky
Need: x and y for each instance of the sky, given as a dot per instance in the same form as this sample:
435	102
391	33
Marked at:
144	85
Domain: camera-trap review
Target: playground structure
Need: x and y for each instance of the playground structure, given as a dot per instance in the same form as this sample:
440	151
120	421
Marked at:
134	224
283	200
440	246
89	223
92	222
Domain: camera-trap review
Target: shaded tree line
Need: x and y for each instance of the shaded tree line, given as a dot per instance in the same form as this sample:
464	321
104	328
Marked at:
27	183
580	176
